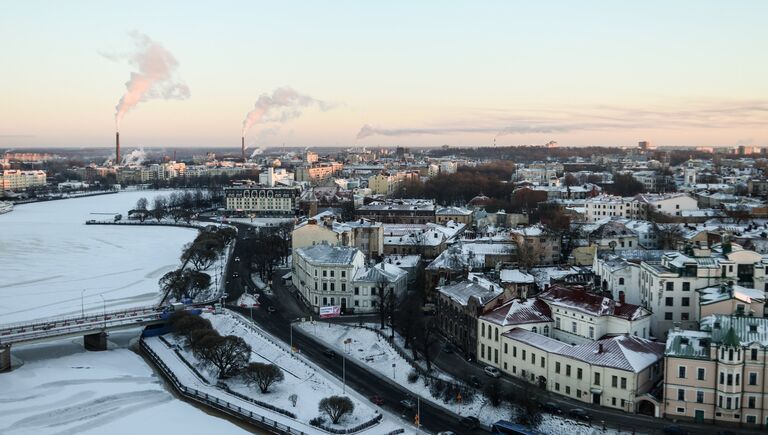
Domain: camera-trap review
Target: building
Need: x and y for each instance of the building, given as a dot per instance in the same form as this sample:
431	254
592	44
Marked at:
642	206
614	235
536	245
261	200
718	373
318	172
414	211
387	183
530	314
617	372
328	275
14	179
271	176
455	214
362	234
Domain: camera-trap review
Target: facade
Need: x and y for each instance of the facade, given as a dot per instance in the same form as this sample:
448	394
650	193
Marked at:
614	235
386	183
361	234
271	176
530	314
318	172
417	211
14	179
539	243
337	275
456	214
717	374
618	372
267	201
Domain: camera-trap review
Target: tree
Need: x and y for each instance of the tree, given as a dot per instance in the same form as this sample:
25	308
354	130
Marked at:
425	338
336	407
184	283
263	375
200	255
530	409
159	209
669	236
528	254
384	298
142	204
738	213
198	336
186	325
227	354
494	392
407	315
624	185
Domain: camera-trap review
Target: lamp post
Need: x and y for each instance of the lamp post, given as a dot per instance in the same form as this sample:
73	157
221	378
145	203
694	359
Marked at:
105	309
344	372
82	303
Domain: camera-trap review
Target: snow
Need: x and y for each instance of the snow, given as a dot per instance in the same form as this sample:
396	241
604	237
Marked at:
64	389
53	262
369	349
305	380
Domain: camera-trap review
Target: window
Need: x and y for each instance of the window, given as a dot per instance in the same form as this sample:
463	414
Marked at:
753	354
597	378
557	367
325	273
557	321
684	316
699	397
542	362
331	274
751	402
357	303
343	273
505	348
573	327
567	390
623	383
546	331
578	373
514	351
496	356
614	381
578	394
751	419
738	378
680	394
722	378
752	378
496	335
621	281
667	316
523	354
670	286
567	370
591	332
700	374
728	403
325	286
669	301
729	377
686	302
557	386
686	286
482	351
333	286
533	358
681	372
535	330
357	291
482	330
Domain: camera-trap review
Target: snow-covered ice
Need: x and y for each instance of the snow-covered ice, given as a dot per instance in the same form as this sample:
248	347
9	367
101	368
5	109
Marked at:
52	261
63	389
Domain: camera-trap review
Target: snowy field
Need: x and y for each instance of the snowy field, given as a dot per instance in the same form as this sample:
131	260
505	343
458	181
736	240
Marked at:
63	389
301	378
52	262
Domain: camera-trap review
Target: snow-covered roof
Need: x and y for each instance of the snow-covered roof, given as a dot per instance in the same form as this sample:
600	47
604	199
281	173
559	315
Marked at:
453	211
536	340
516	276
403	260
724	292
476	287
591	303
517	312
327	254
380	272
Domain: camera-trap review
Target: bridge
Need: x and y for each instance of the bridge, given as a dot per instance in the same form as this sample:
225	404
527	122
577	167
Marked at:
92	327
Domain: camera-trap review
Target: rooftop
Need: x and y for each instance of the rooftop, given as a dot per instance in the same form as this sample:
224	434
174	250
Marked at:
517	312
328	254
463	291
590	303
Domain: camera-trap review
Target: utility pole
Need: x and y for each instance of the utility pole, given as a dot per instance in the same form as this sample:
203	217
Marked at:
344	372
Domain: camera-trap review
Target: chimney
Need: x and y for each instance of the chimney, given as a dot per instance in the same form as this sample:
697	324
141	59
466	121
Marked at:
117	148
242	147
599	347
621	298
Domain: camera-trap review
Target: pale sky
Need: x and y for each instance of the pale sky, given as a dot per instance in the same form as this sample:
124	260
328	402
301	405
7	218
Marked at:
415	72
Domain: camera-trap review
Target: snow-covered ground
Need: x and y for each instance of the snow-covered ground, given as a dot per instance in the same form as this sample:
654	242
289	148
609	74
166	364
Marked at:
303	379
63	389
370	349
53	264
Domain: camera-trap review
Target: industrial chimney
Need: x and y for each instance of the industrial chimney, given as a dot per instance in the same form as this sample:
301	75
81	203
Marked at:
242	147
117	148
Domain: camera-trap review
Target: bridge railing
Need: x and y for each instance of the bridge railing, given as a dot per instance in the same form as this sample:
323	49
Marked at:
215	402
88	317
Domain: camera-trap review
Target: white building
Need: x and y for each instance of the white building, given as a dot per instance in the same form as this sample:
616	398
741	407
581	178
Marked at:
337	275
274	201
271	176
14	179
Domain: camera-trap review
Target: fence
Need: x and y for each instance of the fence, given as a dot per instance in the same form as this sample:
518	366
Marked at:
148	224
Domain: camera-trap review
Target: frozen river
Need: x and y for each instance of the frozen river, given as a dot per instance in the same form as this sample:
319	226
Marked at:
52	264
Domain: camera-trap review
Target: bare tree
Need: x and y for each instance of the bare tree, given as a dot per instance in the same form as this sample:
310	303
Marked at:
227	354
426	337
336	407
186	325
494	392
669	236
738	214
142	204
384	298
159	208
262	375
528	254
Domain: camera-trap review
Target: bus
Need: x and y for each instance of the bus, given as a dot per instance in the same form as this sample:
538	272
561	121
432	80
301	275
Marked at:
503	427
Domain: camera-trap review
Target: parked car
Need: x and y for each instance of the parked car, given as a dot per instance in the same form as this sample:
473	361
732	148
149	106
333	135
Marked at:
408	404
674	429
470	422
552	408
235	275
329	353
446	432
377	400
579	414
492	371
475	382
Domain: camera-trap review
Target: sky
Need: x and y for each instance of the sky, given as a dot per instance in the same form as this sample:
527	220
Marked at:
354	73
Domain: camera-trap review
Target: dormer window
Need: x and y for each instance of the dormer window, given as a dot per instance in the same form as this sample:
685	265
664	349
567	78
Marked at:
752	328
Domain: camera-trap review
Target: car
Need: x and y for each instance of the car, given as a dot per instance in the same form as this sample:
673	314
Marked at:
329	353
475	382
674	429
579	414
408	404
235	274
447	348
271	309
552	408
237	259
470	422
446	432
377	400
492	371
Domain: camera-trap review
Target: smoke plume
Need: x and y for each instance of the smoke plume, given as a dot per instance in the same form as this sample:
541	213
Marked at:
257	152
154	79
283	105
135	158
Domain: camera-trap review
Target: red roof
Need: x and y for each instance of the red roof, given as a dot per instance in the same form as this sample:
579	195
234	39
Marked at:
517	312
578	298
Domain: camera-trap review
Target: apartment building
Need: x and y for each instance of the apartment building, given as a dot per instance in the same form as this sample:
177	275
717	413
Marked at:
318	172
413	211
14	179
718	373
266	201
539	243
386	183
324	228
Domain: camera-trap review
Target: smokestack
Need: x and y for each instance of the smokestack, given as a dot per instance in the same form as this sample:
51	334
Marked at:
242	147
117	148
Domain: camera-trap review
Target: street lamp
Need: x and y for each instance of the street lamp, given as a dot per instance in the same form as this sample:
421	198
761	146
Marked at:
344	372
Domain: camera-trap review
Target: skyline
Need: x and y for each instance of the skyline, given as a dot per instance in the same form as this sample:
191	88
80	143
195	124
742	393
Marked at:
595	73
